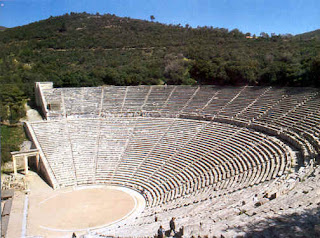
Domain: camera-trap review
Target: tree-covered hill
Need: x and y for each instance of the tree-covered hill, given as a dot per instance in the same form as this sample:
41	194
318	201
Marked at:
310	35
88	50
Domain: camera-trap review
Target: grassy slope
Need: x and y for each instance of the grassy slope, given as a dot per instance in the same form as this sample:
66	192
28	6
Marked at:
11	138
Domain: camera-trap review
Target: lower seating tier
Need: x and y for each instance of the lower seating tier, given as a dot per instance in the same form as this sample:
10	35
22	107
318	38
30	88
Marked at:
164	158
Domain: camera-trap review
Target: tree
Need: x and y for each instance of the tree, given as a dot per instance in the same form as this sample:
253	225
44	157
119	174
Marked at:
63	27
203	71
177	69
152	18
236	33
12	103
315	71
264	35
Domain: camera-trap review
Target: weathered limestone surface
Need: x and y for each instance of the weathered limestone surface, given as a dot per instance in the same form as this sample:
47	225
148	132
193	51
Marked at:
223	160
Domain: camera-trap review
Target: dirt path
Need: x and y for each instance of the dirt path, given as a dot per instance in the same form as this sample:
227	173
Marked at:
31	114
16	215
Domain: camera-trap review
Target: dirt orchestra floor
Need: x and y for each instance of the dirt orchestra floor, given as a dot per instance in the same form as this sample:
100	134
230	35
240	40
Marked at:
59	213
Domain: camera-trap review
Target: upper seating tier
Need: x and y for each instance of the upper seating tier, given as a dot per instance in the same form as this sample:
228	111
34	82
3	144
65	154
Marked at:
290	112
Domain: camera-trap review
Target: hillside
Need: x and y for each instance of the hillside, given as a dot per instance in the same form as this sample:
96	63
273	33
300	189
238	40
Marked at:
310	35
2	28
89	50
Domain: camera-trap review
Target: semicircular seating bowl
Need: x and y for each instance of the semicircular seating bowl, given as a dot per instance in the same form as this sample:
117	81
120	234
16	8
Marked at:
166	157
178	145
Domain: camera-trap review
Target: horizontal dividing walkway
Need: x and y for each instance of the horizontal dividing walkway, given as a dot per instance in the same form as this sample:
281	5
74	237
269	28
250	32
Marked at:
292	112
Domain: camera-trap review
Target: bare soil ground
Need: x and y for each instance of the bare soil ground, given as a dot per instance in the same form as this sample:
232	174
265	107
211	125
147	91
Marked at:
81	209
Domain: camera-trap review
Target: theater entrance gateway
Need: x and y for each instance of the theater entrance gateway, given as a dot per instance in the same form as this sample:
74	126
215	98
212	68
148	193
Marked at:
25	155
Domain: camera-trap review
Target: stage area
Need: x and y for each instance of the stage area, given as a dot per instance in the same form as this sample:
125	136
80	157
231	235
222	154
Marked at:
58	213
84	208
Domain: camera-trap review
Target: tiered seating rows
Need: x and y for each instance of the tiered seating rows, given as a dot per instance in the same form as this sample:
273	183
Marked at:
55	143
294	110
168	158
208	212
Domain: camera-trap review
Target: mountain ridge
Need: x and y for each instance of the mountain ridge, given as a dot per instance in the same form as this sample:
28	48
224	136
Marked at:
313	32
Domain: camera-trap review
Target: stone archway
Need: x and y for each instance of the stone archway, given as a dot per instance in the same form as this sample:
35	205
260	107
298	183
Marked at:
25	155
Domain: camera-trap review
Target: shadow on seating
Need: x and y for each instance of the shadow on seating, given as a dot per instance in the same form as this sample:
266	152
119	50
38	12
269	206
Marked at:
179	234
306	224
